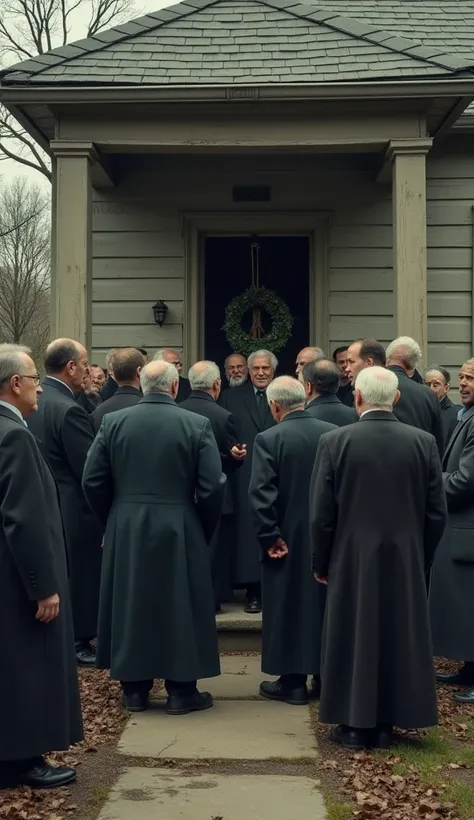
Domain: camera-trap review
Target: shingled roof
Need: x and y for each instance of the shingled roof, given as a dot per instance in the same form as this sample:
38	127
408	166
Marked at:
248	41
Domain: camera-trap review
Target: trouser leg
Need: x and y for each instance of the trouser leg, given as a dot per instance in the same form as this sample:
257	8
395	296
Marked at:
142	687
183	688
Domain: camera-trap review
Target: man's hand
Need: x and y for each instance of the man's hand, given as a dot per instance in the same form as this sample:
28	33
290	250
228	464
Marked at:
321	579
278	550
239	453
48	609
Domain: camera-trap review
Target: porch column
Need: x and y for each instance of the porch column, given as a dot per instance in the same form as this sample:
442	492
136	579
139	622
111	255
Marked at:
71	286
408	159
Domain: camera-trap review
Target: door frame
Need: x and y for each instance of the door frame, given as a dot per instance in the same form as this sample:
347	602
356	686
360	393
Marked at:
198	226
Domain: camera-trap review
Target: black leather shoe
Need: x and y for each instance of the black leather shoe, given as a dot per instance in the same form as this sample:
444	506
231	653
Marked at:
85	655
135	702
274	690
37	774
184	704
465	697
349	738
253	605
463	677
382	736
315	691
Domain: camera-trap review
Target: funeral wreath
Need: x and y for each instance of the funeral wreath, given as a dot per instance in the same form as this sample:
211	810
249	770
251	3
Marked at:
258	300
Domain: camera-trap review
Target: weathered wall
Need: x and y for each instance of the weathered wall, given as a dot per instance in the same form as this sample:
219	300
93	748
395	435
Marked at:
139	248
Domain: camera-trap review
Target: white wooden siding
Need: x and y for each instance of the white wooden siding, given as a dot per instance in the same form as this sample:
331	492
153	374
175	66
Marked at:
139	252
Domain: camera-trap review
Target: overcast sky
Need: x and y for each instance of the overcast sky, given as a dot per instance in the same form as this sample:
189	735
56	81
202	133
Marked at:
10	169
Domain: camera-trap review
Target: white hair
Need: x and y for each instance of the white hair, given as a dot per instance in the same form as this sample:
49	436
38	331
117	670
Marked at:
160	355
407	350
11	361
231	355
162	382
267	353
288	392
202	375
377	386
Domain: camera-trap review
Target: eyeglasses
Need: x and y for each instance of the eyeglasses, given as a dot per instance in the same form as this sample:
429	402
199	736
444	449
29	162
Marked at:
35	379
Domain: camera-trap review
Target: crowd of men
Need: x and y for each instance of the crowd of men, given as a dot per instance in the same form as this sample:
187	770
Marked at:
135	501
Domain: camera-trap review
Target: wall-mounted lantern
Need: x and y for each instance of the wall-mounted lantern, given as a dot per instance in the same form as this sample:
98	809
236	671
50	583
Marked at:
160	309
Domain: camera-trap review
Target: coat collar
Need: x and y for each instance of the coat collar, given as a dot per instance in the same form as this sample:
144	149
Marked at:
378	415
446	402
396	368
129	390
200	394
468	415
297	414
10	414
157	398
59	385
330	398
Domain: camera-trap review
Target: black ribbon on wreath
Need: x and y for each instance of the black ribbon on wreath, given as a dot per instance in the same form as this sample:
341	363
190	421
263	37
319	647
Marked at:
256	329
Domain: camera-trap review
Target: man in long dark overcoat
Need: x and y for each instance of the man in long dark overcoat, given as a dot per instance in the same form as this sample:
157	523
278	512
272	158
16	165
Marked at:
378	512
40	709
249	406
452	578
205	380
438	379
65	433
153	476
293	603
321	381
127	363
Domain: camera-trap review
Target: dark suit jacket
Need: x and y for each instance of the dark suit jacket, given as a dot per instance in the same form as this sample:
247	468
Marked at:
418	406
39	710
64	431
449	417
109	388
184	390
329	408
126	396
346	395
225	432
88	401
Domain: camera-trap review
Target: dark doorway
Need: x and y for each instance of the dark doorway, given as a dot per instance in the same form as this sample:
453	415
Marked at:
284	268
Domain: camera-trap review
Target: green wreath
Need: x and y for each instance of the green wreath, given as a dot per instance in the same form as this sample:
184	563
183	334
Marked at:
257	299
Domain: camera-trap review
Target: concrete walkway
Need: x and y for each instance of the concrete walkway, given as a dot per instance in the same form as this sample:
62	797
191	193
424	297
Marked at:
240	727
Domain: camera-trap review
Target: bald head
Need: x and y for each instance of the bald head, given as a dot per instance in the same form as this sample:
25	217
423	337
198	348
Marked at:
285	395
66	360
159	377
206	377
305	356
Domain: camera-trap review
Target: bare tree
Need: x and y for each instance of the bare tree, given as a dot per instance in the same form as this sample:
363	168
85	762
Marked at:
31	27
25	265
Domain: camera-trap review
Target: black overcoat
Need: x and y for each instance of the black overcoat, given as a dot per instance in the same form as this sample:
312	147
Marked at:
184	389
449	417
293	603
126	396
242	403
377	514
331	409
452	578
88	401
418	406
64	432
153	476
108	389
40	710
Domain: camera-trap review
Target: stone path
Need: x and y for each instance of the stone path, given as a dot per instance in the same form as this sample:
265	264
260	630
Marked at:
240	727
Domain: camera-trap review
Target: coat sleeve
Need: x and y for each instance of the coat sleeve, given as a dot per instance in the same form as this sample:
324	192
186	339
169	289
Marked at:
231	440
323	509
210	482
436	513
97	483
24	514
437	427
459	485
77	437
263	495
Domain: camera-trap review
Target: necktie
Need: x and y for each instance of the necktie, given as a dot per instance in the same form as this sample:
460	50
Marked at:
261	400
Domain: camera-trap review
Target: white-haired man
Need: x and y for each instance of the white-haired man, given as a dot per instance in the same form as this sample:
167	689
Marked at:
236	369
418	405
205	380
452	579
40	710
248	404
377	514
305	356
160	497
172	356
293	604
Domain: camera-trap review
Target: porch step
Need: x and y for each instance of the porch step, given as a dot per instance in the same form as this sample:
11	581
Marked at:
238	631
